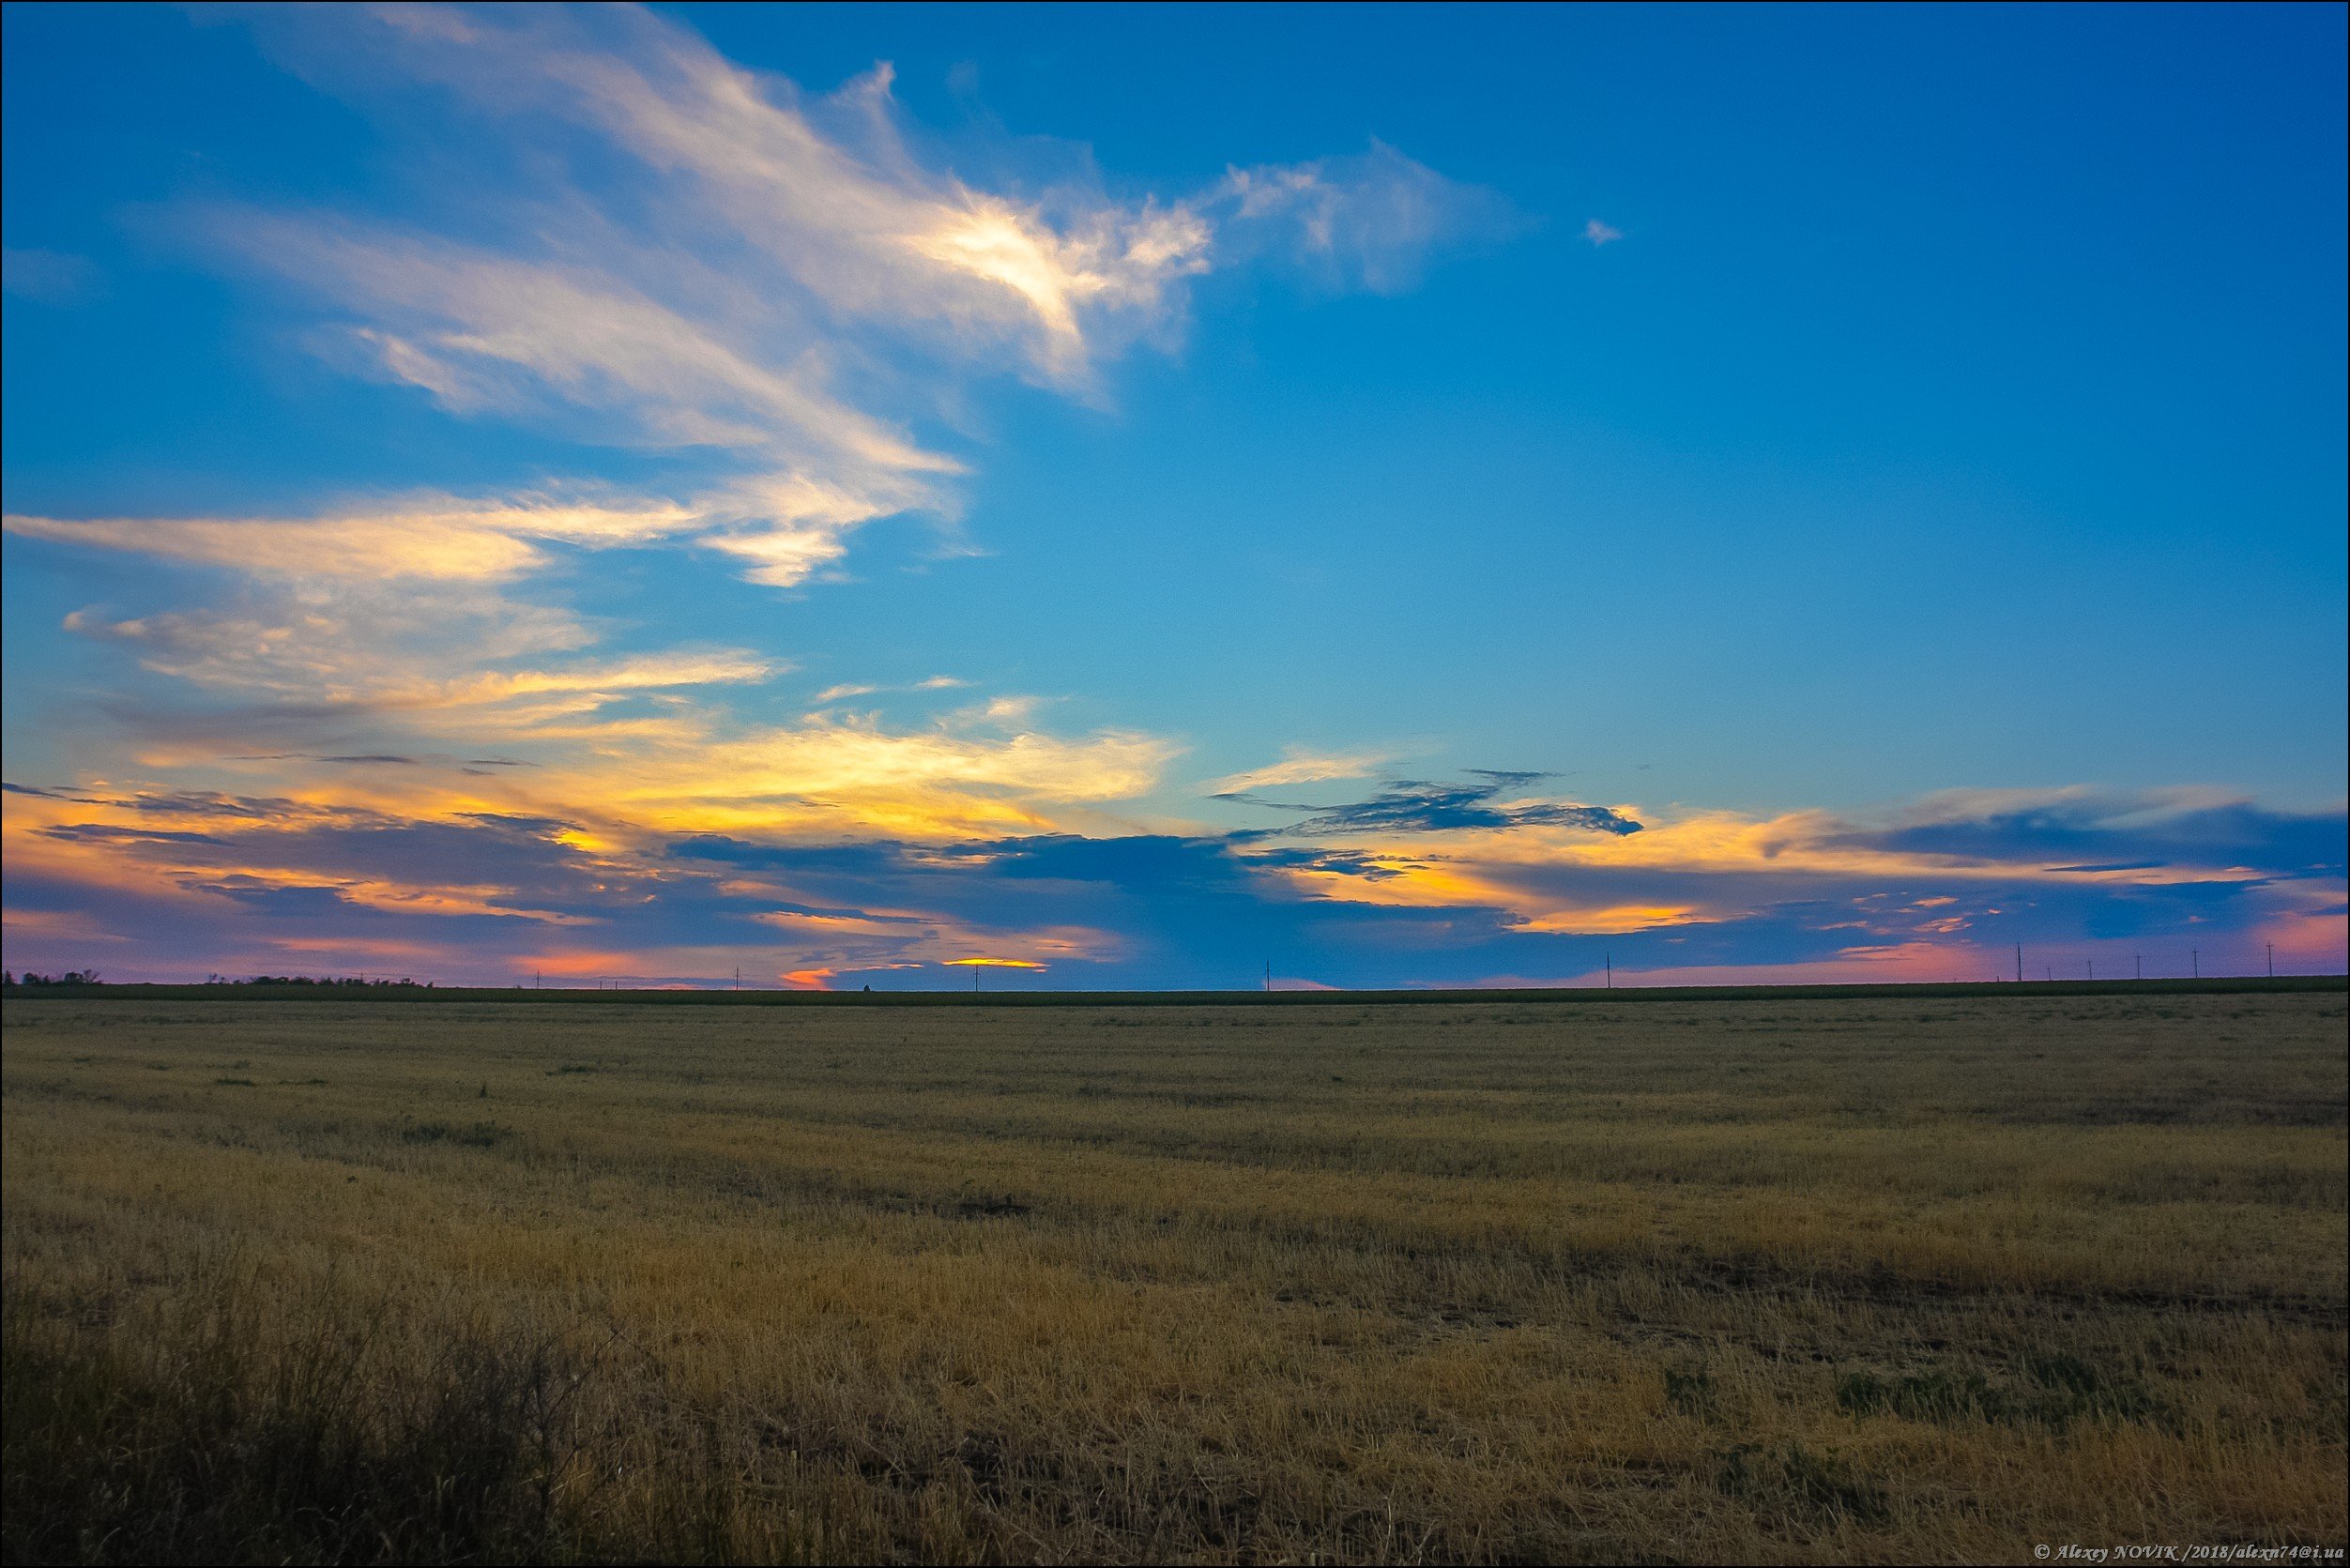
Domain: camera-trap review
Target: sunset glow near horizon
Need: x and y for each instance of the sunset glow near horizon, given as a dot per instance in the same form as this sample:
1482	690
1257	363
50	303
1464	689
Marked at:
1136	498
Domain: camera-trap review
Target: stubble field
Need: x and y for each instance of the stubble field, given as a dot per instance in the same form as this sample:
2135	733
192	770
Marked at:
1879	1280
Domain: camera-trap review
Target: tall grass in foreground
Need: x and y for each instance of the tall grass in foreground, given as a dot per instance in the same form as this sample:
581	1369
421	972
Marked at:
224	1425
1850	1281
221	1430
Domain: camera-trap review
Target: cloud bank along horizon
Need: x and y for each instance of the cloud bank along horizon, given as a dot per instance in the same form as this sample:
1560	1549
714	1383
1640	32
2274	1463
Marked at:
719	332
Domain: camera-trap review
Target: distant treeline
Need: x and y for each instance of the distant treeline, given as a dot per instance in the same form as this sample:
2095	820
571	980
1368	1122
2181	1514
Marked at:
90	978
264	988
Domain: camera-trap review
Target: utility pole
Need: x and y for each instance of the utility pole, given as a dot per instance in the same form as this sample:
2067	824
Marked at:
2194	957
2138	959
738	977
2018	963
1268	974
2092	968
2272	960
1611	963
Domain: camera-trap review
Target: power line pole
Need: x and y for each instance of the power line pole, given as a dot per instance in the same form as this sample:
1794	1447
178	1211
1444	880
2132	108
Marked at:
2272	960
2018	963
2139	960
1268	974
1611	963
2091	968
2194	957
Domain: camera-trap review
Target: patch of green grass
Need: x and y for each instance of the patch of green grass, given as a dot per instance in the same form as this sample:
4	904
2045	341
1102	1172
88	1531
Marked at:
2059	1390
478	1135
1691	1393
1795	1485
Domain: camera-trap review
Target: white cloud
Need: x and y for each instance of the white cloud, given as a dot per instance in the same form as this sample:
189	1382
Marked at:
52	277
1370	220
1303	766
1601	233
772	299
425	536
830	195
860	689
756	270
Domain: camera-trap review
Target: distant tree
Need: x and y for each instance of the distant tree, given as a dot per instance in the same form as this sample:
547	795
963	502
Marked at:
356	981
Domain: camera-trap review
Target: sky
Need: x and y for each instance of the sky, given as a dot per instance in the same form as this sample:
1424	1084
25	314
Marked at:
1195	497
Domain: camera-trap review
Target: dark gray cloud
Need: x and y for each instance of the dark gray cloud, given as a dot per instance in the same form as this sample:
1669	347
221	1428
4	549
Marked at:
52	794
2093	834
207	802
266	877
112	832
392	759
1411	805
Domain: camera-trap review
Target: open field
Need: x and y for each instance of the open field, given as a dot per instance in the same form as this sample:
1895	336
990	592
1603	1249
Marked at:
1876	1279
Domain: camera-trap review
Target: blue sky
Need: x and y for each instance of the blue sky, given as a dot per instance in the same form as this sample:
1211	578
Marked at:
1893	458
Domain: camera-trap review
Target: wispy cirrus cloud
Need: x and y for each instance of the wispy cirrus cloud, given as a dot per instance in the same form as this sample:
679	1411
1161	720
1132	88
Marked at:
765	297
50	276
840	196
1368	220
755	273
1300	765
430	537
862	688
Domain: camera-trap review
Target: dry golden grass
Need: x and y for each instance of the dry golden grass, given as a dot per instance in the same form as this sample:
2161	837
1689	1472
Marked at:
1885	1281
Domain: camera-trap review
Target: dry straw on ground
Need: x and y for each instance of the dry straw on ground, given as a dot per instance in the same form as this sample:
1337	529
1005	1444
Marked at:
1877	1280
